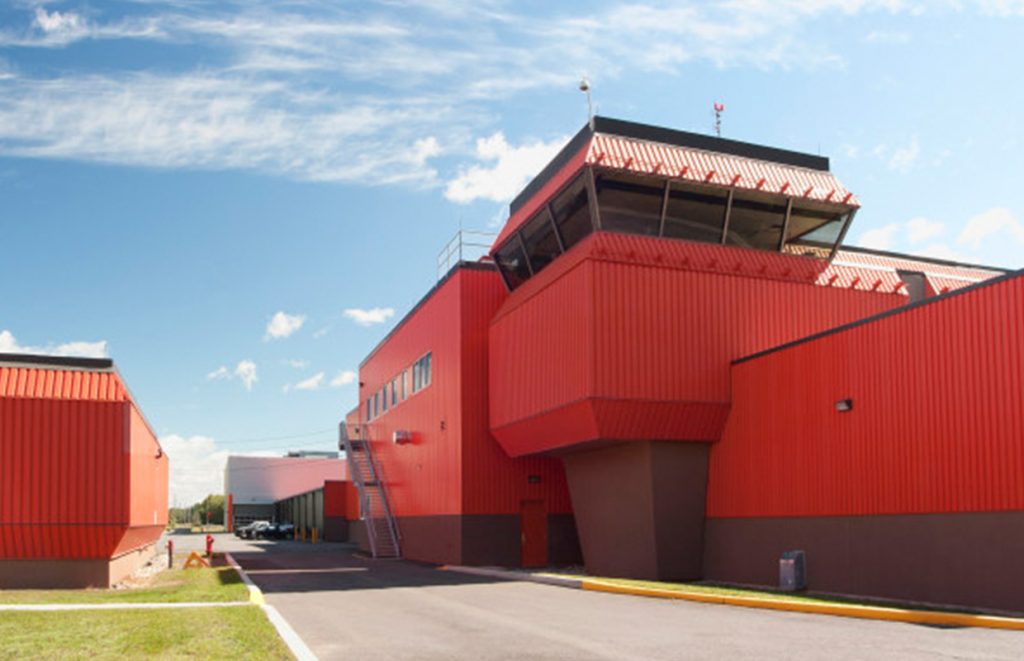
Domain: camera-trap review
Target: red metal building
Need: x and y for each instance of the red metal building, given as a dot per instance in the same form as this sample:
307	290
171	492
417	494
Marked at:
584	382
83	480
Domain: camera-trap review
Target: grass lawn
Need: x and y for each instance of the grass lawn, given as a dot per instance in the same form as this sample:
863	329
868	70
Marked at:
241	632
169	586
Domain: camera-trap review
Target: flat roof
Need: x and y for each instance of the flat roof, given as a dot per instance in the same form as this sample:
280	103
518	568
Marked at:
56	362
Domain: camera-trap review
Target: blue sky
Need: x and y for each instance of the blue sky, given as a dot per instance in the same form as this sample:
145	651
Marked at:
235	202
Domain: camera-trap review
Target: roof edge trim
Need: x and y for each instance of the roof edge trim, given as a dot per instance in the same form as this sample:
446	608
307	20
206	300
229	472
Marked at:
882	315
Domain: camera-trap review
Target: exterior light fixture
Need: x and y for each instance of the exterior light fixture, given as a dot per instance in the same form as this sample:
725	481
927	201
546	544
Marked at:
844	405
401	437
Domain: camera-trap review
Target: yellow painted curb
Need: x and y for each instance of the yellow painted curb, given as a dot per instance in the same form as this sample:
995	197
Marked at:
820	608
256	596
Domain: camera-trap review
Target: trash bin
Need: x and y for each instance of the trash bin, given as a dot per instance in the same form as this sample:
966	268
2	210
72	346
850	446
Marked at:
792	571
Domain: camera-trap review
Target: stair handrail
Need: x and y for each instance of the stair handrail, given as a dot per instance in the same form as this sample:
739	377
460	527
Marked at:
362	432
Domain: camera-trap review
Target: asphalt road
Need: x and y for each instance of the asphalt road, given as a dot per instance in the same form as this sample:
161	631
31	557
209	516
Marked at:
347	607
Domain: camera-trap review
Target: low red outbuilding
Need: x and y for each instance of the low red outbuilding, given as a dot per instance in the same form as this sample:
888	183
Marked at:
83	479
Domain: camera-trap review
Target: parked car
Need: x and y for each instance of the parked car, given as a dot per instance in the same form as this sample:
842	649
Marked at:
277	531
252	530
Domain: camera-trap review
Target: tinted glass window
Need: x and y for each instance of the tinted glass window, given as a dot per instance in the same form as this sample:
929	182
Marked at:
541	242
695	215
384	402
755	223
512	262
572	213
629	204
814	231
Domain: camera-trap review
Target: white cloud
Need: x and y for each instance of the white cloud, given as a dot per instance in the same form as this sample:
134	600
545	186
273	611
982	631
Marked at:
887	37
297	364
880	238
312	383
282	325
903	158
344	378
512	168
320	333
197	468
369	317
372	91
246	371
994	222
9	344
67	23
218	374
921	229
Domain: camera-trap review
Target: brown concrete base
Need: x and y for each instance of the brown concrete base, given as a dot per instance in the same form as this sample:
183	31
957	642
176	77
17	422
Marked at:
970	560
335	529
639	508
56	574
476	539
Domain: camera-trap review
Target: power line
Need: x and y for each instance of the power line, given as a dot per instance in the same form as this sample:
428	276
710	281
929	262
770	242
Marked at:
276	438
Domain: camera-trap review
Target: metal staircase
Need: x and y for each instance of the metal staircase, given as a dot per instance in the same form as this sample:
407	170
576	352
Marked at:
381	528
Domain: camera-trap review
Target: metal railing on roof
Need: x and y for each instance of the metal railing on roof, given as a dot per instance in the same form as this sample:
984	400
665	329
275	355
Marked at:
466	245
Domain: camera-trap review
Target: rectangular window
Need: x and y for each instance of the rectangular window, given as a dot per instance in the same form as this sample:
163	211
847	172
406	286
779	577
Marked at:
695	215
629	204
394	391
384	404
369	409
814	230
541	242
376	404
572	213
421	373
512	262
405	384
755	223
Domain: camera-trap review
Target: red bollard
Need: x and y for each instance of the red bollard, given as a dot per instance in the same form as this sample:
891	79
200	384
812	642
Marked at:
209	546
170	554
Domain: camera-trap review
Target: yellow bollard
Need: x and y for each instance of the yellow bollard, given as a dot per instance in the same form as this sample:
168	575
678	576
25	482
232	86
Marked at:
313	538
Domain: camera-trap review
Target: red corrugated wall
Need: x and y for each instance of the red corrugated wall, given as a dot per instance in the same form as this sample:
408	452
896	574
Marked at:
334	498
423	477
147	485
493	483
79	477
631	337
937	423
457	469
63	487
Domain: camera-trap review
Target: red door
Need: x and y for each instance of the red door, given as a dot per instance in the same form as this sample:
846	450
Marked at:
533	527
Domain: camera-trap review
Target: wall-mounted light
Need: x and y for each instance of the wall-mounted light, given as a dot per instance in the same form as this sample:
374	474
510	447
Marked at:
401	437
844	405
533	479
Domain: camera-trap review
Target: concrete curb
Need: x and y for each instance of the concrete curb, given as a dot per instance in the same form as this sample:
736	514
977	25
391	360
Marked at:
909	616
292	639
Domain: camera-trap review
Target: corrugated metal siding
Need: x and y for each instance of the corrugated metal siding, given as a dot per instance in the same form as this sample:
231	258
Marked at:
147	480
334	498
937	423
423	477
33	382
650	321
63	490
699	166
492	482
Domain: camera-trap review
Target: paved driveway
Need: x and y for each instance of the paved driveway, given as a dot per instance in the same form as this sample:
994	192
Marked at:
347	607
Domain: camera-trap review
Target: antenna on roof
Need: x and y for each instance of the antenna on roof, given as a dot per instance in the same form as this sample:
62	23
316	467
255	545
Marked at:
585	88
719	109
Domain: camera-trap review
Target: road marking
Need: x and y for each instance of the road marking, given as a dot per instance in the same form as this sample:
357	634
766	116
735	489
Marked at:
137	606
285	630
